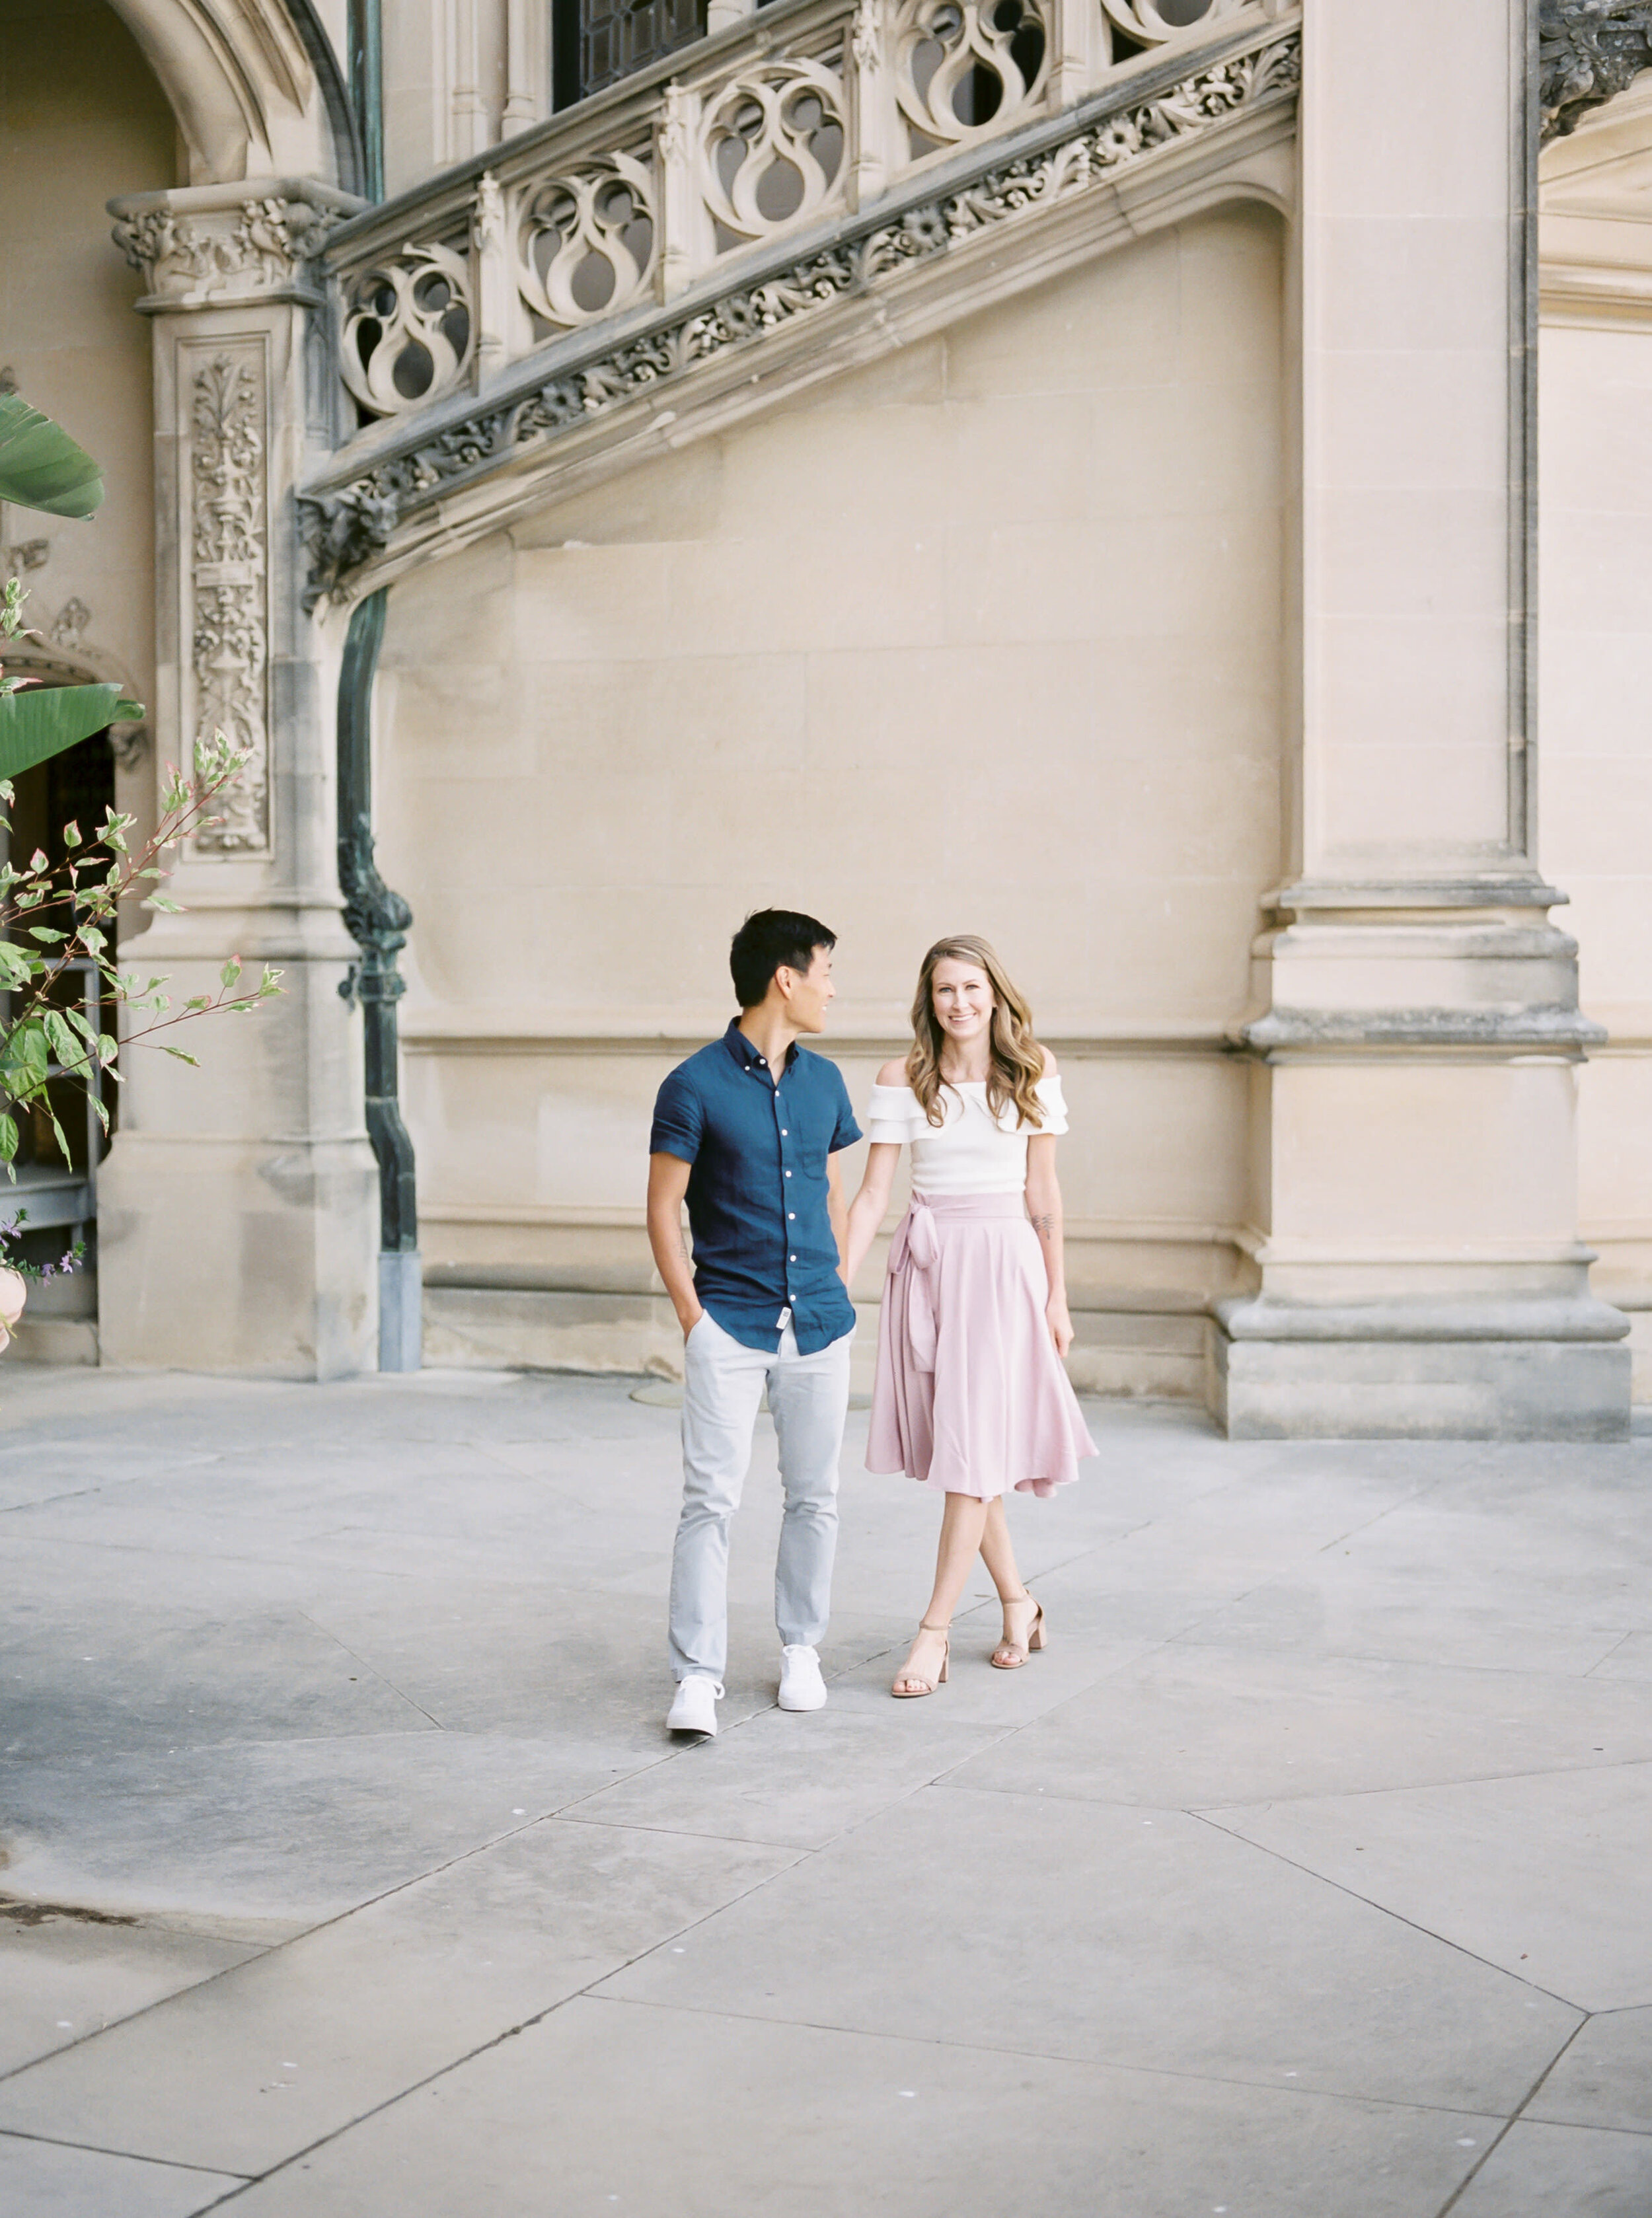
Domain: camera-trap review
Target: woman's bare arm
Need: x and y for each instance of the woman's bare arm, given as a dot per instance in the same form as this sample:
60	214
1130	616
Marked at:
1044	1207
867	1209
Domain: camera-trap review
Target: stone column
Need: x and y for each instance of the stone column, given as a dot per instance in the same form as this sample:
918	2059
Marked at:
238	1210
1415	1029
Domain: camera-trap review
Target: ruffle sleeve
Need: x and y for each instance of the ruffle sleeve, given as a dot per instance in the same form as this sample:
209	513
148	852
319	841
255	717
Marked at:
893	1117
1053	1103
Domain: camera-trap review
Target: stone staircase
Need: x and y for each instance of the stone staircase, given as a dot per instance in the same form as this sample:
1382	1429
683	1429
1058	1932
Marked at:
811	186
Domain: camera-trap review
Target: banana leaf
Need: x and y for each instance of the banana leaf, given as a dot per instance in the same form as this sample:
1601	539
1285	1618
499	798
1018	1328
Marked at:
40	466
40	721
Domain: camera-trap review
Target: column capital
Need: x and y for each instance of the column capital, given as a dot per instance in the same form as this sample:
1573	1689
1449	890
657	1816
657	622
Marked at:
212	246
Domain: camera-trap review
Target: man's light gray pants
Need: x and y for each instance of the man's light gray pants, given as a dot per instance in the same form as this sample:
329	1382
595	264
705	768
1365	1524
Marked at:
808	1398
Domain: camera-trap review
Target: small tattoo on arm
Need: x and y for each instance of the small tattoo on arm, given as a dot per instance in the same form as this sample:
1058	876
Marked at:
1044	1226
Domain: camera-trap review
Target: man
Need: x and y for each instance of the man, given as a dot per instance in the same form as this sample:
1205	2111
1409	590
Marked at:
749	1129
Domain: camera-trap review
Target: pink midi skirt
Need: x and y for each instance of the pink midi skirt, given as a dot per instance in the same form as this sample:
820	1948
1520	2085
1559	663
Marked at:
969	1395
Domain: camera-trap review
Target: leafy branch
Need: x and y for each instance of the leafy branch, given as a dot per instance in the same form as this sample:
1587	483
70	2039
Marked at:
41	1040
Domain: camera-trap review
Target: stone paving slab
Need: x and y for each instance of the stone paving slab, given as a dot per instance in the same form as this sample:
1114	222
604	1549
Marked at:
679	2114
41	2179
1303	1876
1535	2170
64	1979
1604	2078
1115	1936
294	2047
1547	1875
1192	1727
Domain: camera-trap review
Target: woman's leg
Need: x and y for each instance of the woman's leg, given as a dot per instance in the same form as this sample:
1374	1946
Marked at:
999	1555
1019	1607
962	1524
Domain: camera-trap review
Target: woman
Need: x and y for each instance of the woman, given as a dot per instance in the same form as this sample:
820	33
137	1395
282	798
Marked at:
970	1396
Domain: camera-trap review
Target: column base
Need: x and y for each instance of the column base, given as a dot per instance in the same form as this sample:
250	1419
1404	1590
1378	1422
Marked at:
1495	1371
242	1255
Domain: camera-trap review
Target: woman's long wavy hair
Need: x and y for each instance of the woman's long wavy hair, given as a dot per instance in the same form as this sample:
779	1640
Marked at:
1015	1062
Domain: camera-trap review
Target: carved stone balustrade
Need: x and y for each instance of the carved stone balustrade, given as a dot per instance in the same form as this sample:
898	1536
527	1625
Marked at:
816	150
755	134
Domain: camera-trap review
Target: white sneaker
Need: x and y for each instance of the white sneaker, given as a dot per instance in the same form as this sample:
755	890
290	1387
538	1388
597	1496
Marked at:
802	1687
695	1707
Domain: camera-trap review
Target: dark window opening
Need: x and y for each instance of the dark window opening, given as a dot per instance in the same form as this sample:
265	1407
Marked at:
596	42
77	787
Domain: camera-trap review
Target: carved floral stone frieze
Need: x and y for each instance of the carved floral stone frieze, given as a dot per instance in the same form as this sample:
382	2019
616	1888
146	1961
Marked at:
346	525
229	583
202	245
1588	52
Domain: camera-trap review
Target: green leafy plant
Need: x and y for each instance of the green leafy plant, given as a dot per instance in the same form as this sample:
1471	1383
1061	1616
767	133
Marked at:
55	920
58	922
42	467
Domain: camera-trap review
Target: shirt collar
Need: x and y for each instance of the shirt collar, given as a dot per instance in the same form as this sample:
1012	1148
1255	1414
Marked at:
745	1055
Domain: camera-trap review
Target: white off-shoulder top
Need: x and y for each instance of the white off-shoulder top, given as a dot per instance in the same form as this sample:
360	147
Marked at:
970	1153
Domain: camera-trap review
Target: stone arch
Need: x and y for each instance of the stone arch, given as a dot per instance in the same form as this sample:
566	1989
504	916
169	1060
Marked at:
255	86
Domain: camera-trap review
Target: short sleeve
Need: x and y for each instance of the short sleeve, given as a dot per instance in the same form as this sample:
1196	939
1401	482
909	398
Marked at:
1053	1103
893	1117
847	1132
679	1119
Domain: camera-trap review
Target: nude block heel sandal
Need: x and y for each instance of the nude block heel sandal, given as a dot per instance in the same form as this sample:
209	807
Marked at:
1009	1655
926	1685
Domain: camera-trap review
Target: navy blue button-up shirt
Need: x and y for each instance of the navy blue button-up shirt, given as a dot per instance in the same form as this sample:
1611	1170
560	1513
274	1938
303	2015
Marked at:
763	1238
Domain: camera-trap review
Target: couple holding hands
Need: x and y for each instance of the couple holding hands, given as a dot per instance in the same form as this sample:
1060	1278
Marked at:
970	1397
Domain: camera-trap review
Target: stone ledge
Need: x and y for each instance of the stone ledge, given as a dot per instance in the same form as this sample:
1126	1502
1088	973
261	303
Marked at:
1155	1354
1474	1390
1562	1318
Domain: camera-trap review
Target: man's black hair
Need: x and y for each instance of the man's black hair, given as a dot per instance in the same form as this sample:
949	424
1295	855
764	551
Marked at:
768	938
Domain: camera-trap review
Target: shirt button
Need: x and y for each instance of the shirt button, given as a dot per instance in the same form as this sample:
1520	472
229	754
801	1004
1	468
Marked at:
792	1217
791	1259
785	1134
788	1174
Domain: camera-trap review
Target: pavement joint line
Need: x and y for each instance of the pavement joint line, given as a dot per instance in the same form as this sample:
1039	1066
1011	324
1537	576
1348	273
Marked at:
1423	1786
1371	1656
1385	1910
795	1849
1062	2056
1496	2140
1609	1653
327	1634
1207	1810
132	2156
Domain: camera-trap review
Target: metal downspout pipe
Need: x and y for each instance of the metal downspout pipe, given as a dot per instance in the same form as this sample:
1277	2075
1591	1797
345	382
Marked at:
378	920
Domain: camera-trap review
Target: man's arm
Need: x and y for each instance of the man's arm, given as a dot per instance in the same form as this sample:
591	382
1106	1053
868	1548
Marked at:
668	1184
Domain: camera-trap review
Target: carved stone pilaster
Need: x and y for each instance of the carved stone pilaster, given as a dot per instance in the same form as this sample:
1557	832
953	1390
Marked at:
1589	51
228	677
270	1147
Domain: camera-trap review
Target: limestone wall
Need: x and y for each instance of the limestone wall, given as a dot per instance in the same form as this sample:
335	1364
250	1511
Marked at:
987	638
